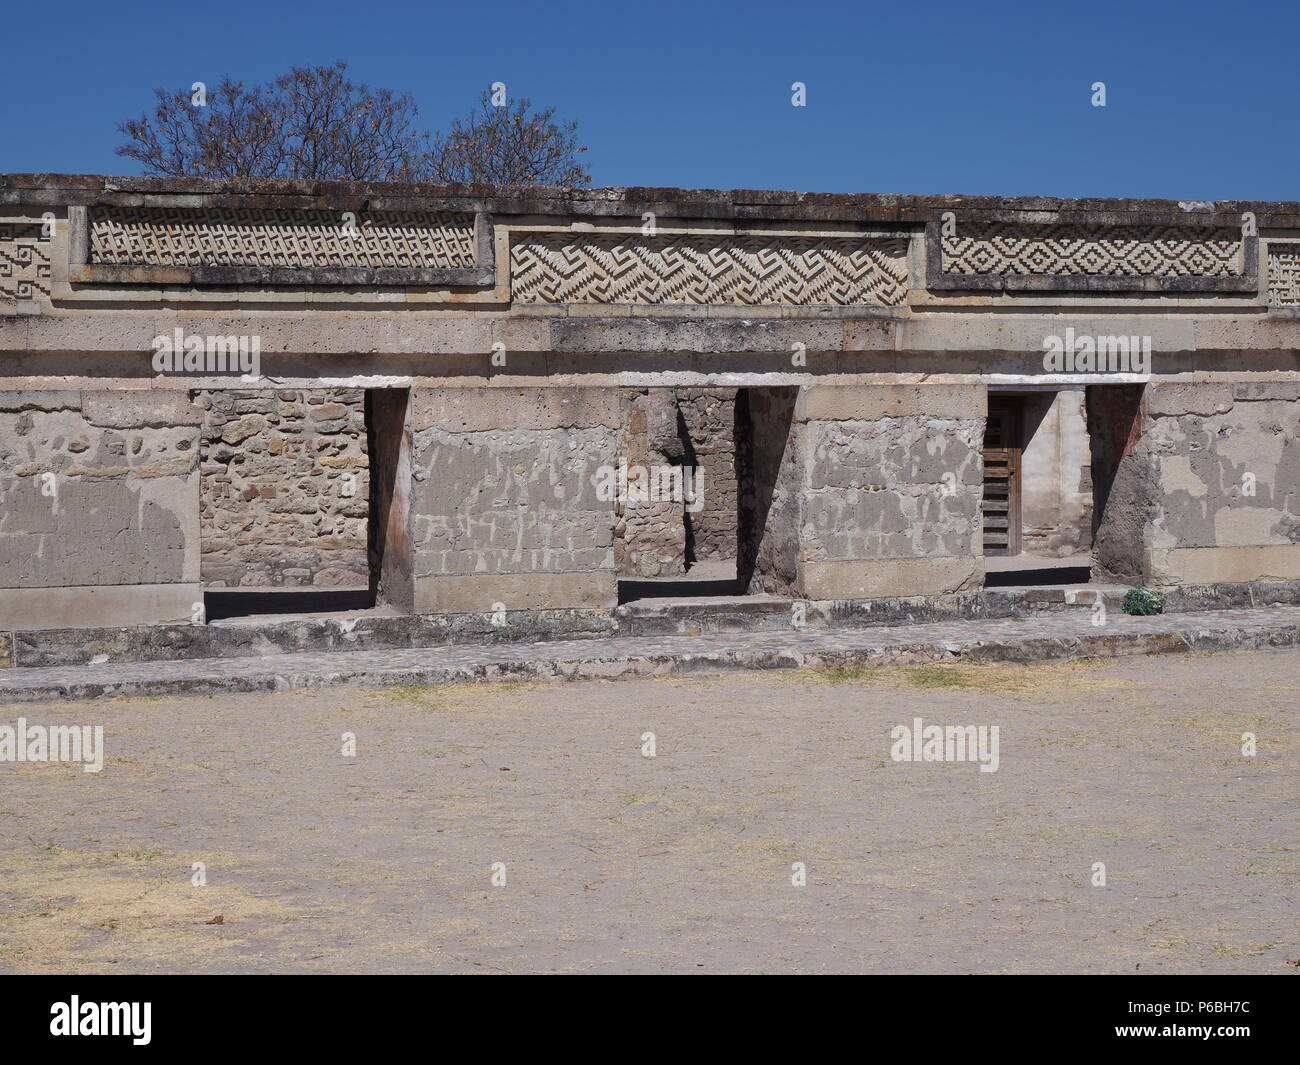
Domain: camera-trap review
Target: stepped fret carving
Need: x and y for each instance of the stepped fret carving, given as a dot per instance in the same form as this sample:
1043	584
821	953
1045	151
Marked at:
153	236
24	261
1002	249
1284	275
751	271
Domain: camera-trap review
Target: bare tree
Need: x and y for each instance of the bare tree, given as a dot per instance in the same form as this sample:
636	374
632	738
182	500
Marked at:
508	144
315	123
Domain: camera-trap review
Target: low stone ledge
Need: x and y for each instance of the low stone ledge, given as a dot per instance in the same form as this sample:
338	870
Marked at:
621	658
627	201
248	637
49	401
245	638
95	605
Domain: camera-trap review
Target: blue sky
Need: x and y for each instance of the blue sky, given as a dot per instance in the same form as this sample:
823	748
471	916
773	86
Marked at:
935	97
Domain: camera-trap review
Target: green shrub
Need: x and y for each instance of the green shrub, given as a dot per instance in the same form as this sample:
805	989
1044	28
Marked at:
1144	602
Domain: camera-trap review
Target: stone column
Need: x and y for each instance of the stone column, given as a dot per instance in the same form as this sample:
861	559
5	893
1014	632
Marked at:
99	508
1210	481
505	507
863	492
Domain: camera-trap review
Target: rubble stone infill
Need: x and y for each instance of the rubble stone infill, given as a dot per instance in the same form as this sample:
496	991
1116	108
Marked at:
1058	637
284	489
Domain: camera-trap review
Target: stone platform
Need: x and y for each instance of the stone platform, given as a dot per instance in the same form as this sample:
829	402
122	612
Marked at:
1065	635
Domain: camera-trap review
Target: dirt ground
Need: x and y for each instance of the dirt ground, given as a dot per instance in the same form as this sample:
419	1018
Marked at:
617	862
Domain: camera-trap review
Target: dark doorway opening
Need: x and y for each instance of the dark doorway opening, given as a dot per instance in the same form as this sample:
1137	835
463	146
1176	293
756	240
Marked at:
1037	505
1081	506
677	514
740	542
1002	452
237	603
300	492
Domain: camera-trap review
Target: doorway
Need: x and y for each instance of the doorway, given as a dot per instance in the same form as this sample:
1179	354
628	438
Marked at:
294	516
1037	502
726	447
1003	447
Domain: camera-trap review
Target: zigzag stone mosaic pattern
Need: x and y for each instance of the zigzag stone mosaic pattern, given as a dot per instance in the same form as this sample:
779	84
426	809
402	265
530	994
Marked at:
1002	249
1284	275
24	261
151	236
798	271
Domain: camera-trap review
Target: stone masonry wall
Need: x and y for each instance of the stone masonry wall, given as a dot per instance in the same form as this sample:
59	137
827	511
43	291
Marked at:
692	428
1056	475
1122	479
1205	484
285	488
505	511
98	507
862	492
709	418
1226	466
892	491
649	535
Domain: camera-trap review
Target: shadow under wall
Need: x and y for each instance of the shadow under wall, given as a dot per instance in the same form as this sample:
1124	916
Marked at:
690	460
222	603
392	559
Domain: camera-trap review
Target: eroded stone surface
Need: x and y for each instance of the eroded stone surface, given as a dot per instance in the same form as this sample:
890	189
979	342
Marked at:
84	503
1063	636
285	488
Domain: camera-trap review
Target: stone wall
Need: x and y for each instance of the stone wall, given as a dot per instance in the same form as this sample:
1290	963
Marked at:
860	488
285	488
1122	480
1056	475
649	535
1205	485
708	417
99	507
1226	474
877	492
505	508
689	427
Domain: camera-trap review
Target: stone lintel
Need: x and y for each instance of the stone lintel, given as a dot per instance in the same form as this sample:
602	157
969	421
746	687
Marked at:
470	410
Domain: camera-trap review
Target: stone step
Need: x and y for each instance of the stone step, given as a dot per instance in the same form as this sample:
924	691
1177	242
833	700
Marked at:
371	631
693	617
1048	637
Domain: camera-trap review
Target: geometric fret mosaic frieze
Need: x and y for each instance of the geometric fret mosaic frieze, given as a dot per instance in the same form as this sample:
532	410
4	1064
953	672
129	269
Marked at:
700	269
1002	249
165	236
1284	275
24	261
